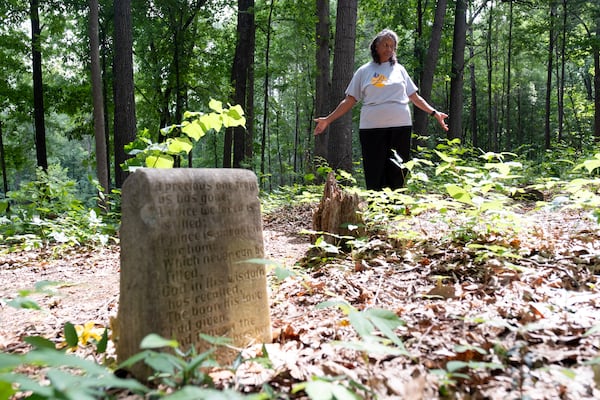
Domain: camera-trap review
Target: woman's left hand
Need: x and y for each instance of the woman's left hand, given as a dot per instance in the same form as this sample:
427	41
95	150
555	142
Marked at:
441	118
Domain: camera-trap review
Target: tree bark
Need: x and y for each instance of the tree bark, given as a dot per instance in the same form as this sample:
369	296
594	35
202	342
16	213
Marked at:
323	83
426	85
263	141
457	74
551	38
3	163
97	98
123	88
340	131
242	79
508	79
338	213
597	79
38	87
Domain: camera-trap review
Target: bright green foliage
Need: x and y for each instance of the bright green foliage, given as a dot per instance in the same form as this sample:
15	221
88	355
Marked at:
47	211
367	323
178	138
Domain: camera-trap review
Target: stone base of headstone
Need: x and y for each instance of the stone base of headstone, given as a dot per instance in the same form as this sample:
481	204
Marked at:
187	236
338	213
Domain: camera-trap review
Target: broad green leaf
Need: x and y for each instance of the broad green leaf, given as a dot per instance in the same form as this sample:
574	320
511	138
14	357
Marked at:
361	323
459	193
6	390
319	390
386	321
102	344
193	129
179	145
590	165
23	302
445	157
215	105
211	121
229	121
216	340
40	342
154	341
345	307
160	161
236	112
9	362
453	366
163	362
71	335
441	168
191	114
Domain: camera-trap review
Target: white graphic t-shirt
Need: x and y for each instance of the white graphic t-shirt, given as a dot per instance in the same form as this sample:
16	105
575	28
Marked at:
383	90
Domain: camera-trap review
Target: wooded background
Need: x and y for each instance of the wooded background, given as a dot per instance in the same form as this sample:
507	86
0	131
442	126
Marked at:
79	79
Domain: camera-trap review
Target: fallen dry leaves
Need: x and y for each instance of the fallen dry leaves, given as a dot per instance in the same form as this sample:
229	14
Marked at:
476	326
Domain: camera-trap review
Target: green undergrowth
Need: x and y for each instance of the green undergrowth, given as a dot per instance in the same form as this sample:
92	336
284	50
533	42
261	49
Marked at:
476	201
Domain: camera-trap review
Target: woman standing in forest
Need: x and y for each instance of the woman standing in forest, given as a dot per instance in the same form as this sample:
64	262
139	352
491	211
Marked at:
385	88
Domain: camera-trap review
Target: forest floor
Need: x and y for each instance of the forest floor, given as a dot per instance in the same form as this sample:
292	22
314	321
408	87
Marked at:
476	326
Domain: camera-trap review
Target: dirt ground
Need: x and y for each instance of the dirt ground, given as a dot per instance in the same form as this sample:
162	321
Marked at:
533	324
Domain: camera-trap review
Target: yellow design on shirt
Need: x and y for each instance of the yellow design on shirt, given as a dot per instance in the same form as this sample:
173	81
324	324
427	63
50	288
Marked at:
378	80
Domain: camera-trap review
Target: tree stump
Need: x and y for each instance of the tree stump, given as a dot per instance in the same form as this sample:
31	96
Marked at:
338	213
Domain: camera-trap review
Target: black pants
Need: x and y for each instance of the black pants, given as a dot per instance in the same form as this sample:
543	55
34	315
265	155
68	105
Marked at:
377	146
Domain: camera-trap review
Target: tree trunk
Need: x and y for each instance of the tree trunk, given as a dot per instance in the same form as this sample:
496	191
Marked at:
38	88
263	141
123	89
338	213
551	38
457	74
97	97
242	79
597	79
508	80
323	83
492	138
473	109
426	85
340	131
561	80
3	163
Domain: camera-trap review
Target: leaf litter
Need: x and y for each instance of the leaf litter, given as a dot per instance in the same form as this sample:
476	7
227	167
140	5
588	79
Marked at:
479	322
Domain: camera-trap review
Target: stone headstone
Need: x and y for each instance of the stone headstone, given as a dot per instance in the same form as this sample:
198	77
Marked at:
186	235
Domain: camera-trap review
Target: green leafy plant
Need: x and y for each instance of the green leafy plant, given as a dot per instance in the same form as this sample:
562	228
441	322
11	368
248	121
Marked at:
68	376
178	139
47	211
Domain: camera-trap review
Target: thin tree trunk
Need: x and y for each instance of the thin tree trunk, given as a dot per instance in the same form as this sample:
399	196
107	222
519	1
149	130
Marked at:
597	79
457	74
3	163
492	138
508	80
473	110
98	97
38	88
561	82
426	84
241	77
123	89
340	131
263	141
549	74
323	83
105	107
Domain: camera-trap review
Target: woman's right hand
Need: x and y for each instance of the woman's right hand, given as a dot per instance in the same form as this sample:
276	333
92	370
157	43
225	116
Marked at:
322	124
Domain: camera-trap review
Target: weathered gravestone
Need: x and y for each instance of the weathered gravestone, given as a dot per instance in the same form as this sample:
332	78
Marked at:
185	236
